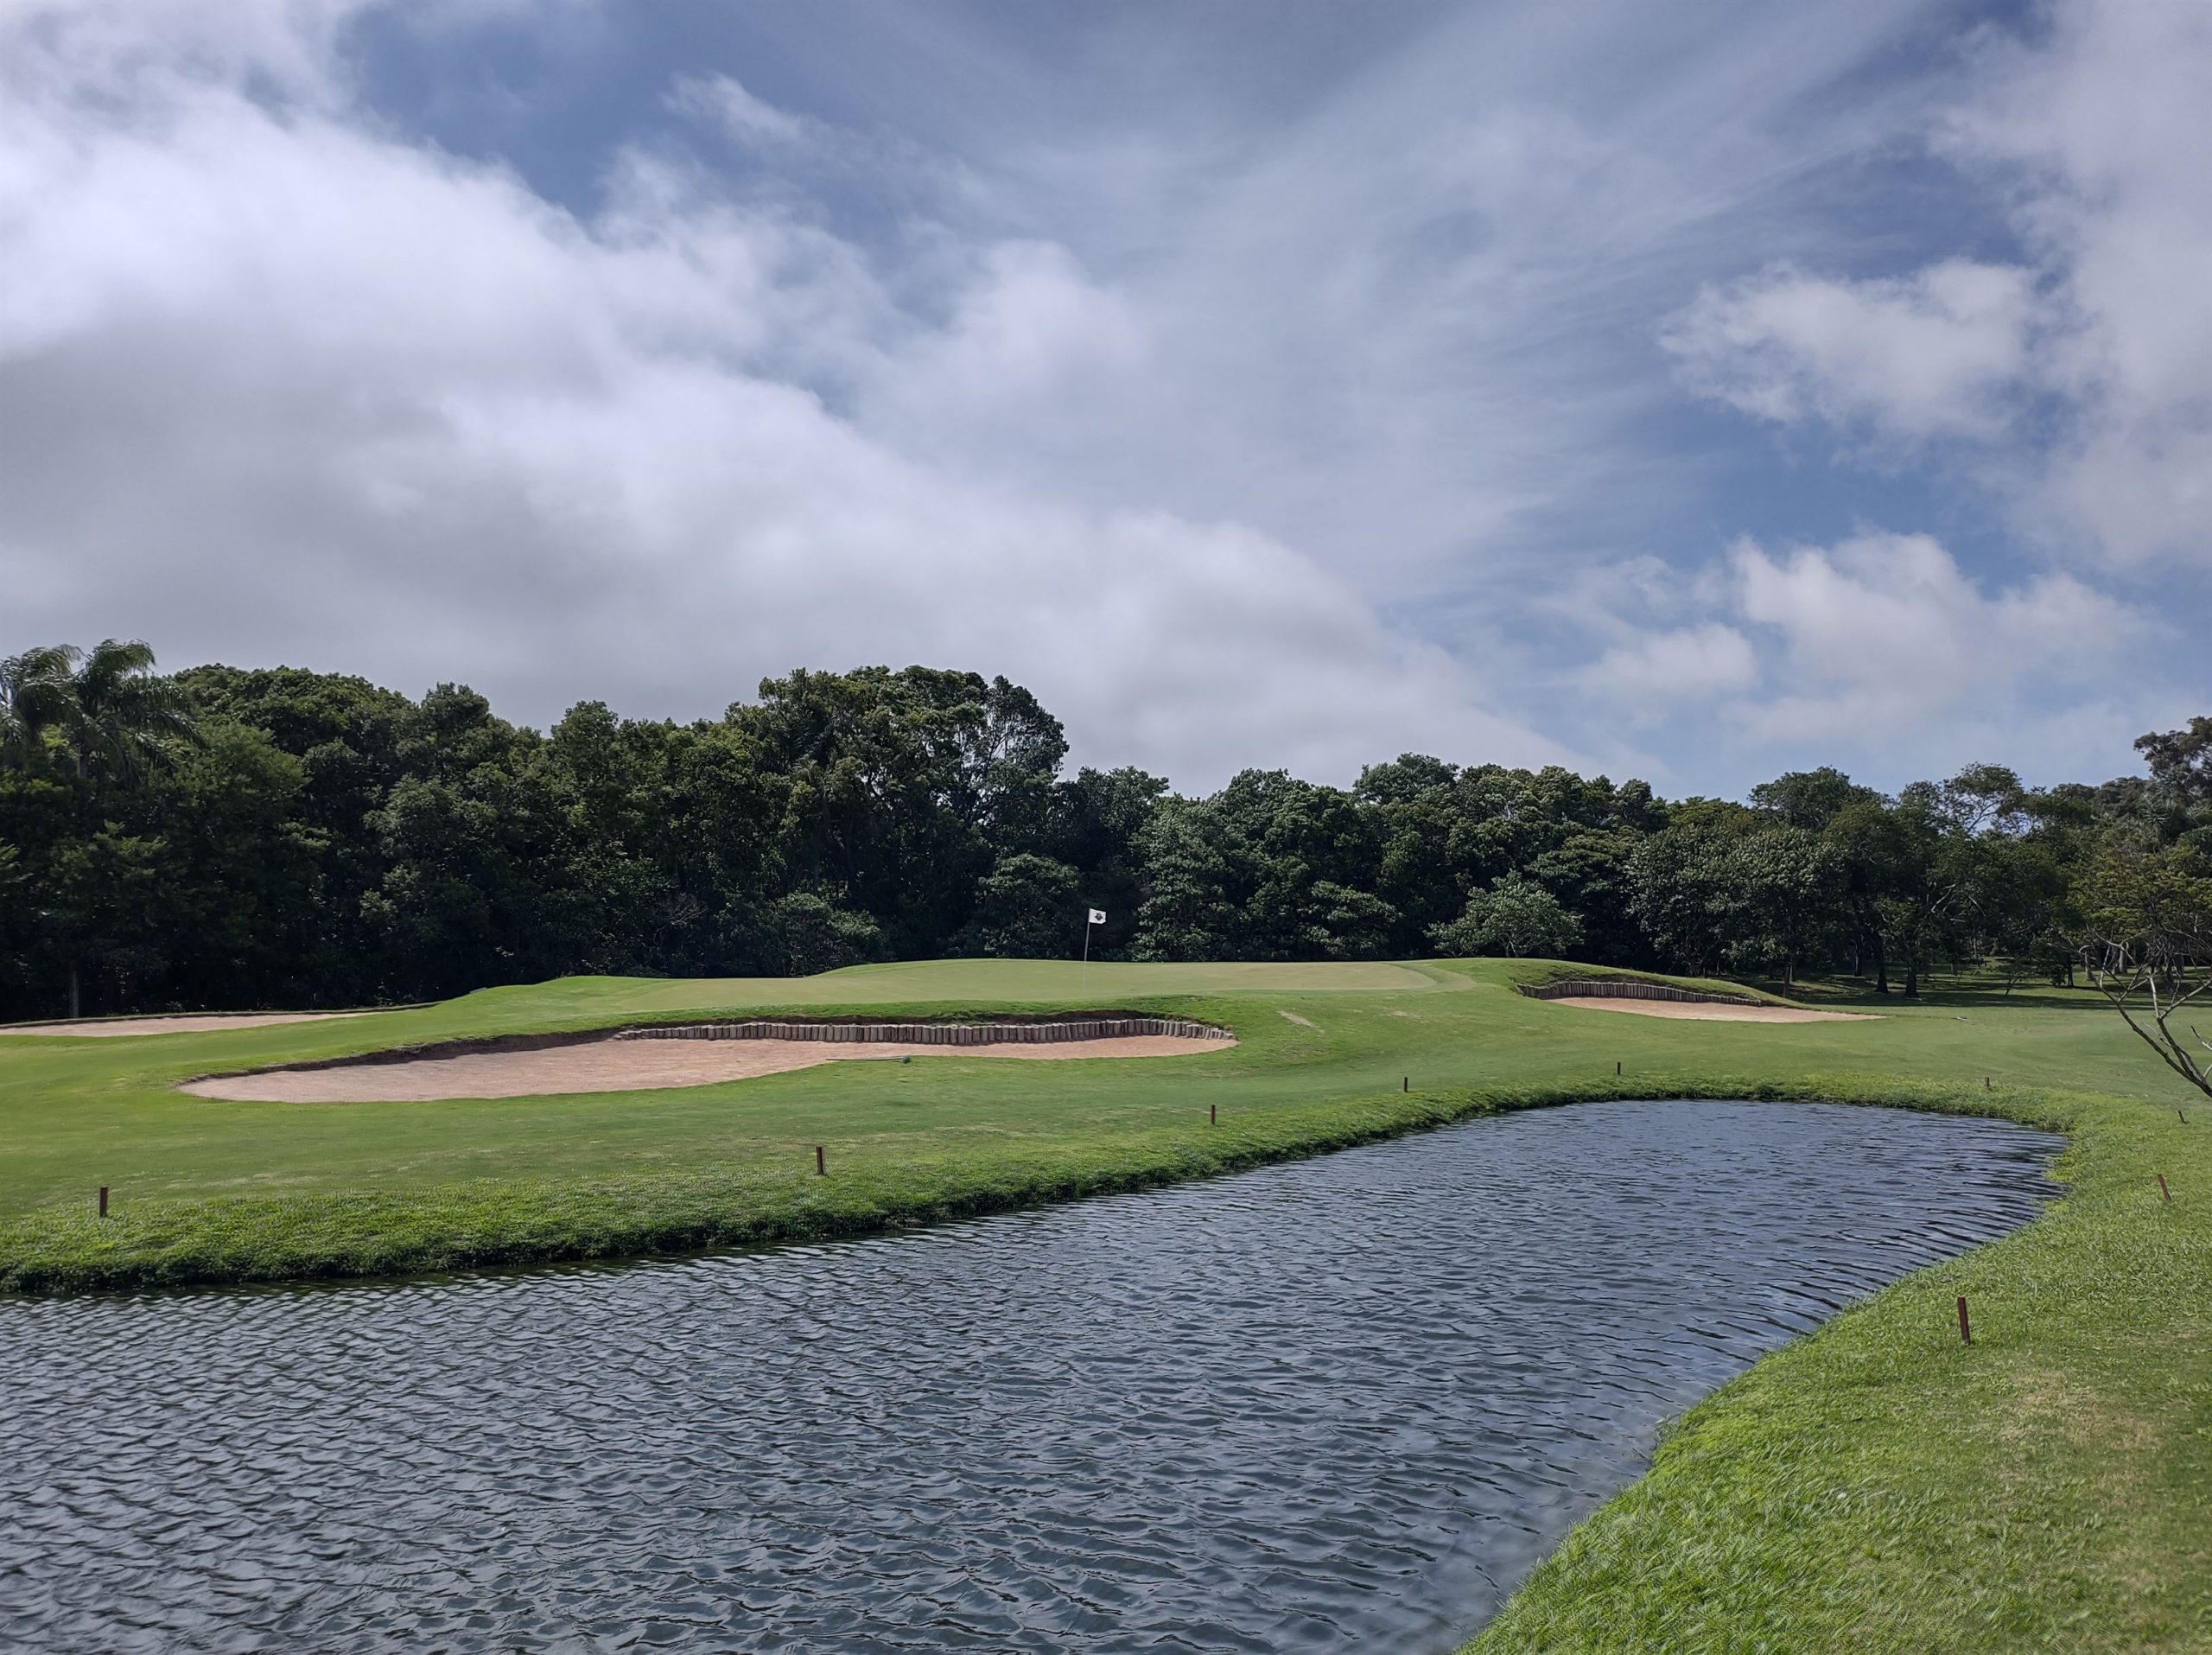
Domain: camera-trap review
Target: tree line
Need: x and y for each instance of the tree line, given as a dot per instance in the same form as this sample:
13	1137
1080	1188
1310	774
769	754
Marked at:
222	837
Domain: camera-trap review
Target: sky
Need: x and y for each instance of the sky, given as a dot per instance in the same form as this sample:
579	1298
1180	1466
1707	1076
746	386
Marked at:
1693	391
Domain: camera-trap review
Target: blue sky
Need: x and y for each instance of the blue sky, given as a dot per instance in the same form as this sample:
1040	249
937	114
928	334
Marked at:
1692	391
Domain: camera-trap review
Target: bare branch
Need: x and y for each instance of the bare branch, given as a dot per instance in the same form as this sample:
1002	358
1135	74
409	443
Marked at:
2171	1051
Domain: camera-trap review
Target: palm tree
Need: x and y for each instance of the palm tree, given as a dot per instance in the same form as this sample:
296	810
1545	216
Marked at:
121	718
37	695
113	716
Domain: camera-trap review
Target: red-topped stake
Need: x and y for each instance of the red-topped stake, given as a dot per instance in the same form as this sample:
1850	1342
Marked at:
1966	1333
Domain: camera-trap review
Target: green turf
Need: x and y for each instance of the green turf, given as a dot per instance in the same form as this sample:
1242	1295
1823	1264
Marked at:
1873	1487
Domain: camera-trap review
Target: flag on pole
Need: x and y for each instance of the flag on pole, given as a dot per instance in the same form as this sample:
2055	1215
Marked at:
1098	916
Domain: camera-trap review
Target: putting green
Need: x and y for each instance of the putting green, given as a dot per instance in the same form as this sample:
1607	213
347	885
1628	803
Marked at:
1011	982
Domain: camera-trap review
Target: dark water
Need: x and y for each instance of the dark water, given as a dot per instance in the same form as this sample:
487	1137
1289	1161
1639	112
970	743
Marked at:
1340	1404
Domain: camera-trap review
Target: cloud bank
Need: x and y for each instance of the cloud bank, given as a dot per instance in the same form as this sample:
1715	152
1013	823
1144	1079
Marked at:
274	375
1396	390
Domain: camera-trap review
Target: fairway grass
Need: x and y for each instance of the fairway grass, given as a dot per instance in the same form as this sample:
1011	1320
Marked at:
1874	1487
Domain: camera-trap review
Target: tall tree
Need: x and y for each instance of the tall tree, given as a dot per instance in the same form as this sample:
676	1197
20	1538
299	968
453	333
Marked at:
1783	898
1188	911
120	716
1682	894
110	721
1516	918
35	697
2180	760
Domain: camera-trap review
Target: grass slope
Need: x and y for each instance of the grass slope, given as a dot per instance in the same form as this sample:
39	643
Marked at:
1875	1487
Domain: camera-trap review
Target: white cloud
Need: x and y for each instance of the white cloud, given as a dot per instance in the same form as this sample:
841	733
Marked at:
1157	404
1878	652
1940	352
723	99
2103	129
1646	678
1032	369
2086	377
304	391
1881	634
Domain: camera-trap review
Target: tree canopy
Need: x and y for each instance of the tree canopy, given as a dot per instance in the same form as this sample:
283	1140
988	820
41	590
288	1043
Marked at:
231	837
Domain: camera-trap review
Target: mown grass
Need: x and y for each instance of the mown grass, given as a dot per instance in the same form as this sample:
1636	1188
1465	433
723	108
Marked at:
1880	1487
1876	1486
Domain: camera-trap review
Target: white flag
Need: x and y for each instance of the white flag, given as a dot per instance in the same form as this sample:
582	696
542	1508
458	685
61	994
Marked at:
1098	916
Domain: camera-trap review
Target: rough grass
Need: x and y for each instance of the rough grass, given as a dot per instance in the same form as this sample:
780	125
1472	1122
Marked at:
1875	1487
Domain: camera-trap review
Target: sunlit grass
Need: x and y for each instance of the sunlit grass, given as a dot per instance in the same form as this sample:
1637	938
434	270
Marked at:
1877	1486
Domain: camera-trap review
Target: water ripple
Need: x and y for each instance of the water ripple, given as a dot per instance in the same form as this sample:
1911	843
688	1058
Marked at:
1343	1403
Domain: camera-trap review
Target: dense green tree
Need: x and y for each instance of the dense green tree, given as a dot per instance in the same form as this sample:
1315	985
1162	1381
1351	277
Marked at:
1516	918
275	836
1588	872
804	932
1442	833
1097	825
86	736
2180	760
1188	912
1869	849
1030	906
35	698
1680	892
120	718
1784	899
1811	800
240	899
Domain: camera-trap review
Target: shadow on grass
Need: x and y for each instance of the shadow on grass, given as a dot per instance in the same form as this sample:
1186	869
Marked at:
1966	990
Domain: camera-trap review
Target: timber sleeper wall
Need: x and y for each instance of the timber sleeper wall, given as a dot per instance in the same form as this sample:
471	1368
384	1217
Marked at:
1628	989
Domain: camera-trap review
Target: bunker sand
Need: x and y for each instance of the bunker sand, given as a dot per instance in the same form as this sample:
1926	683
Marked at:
104	1027
630	1065
1699	1011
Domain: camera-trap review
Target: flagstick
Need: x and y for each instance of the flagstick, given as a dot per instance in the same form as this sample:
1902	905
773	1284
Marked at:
1091	916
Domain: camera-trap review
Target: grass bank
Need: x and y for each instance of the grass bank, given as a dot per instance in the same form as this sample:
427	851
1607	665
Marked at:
1876	1486
208	1191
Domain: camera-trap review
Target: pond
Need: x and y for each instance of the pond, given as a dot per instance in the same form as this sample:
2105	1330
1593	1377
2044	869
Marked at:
1341	1403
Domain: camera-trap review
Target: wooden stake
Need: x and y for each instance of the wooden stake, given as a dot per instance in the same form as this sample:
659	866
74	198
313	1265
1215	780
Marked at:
821	1161
1966	1333
2163	1190
1984	1083
1213	1114
1406	1084
103	1201
1616	1068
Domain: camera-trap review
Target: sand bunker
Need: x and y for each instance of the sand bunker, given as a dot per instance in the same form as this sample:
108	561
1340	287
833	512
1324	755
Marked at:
629	1066
1710	1011
102	1027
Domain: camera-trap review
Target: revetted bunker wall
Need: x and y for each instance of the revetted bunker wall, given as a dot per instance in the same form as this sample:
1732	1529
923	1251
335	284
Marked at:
1616	988
1038	1031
